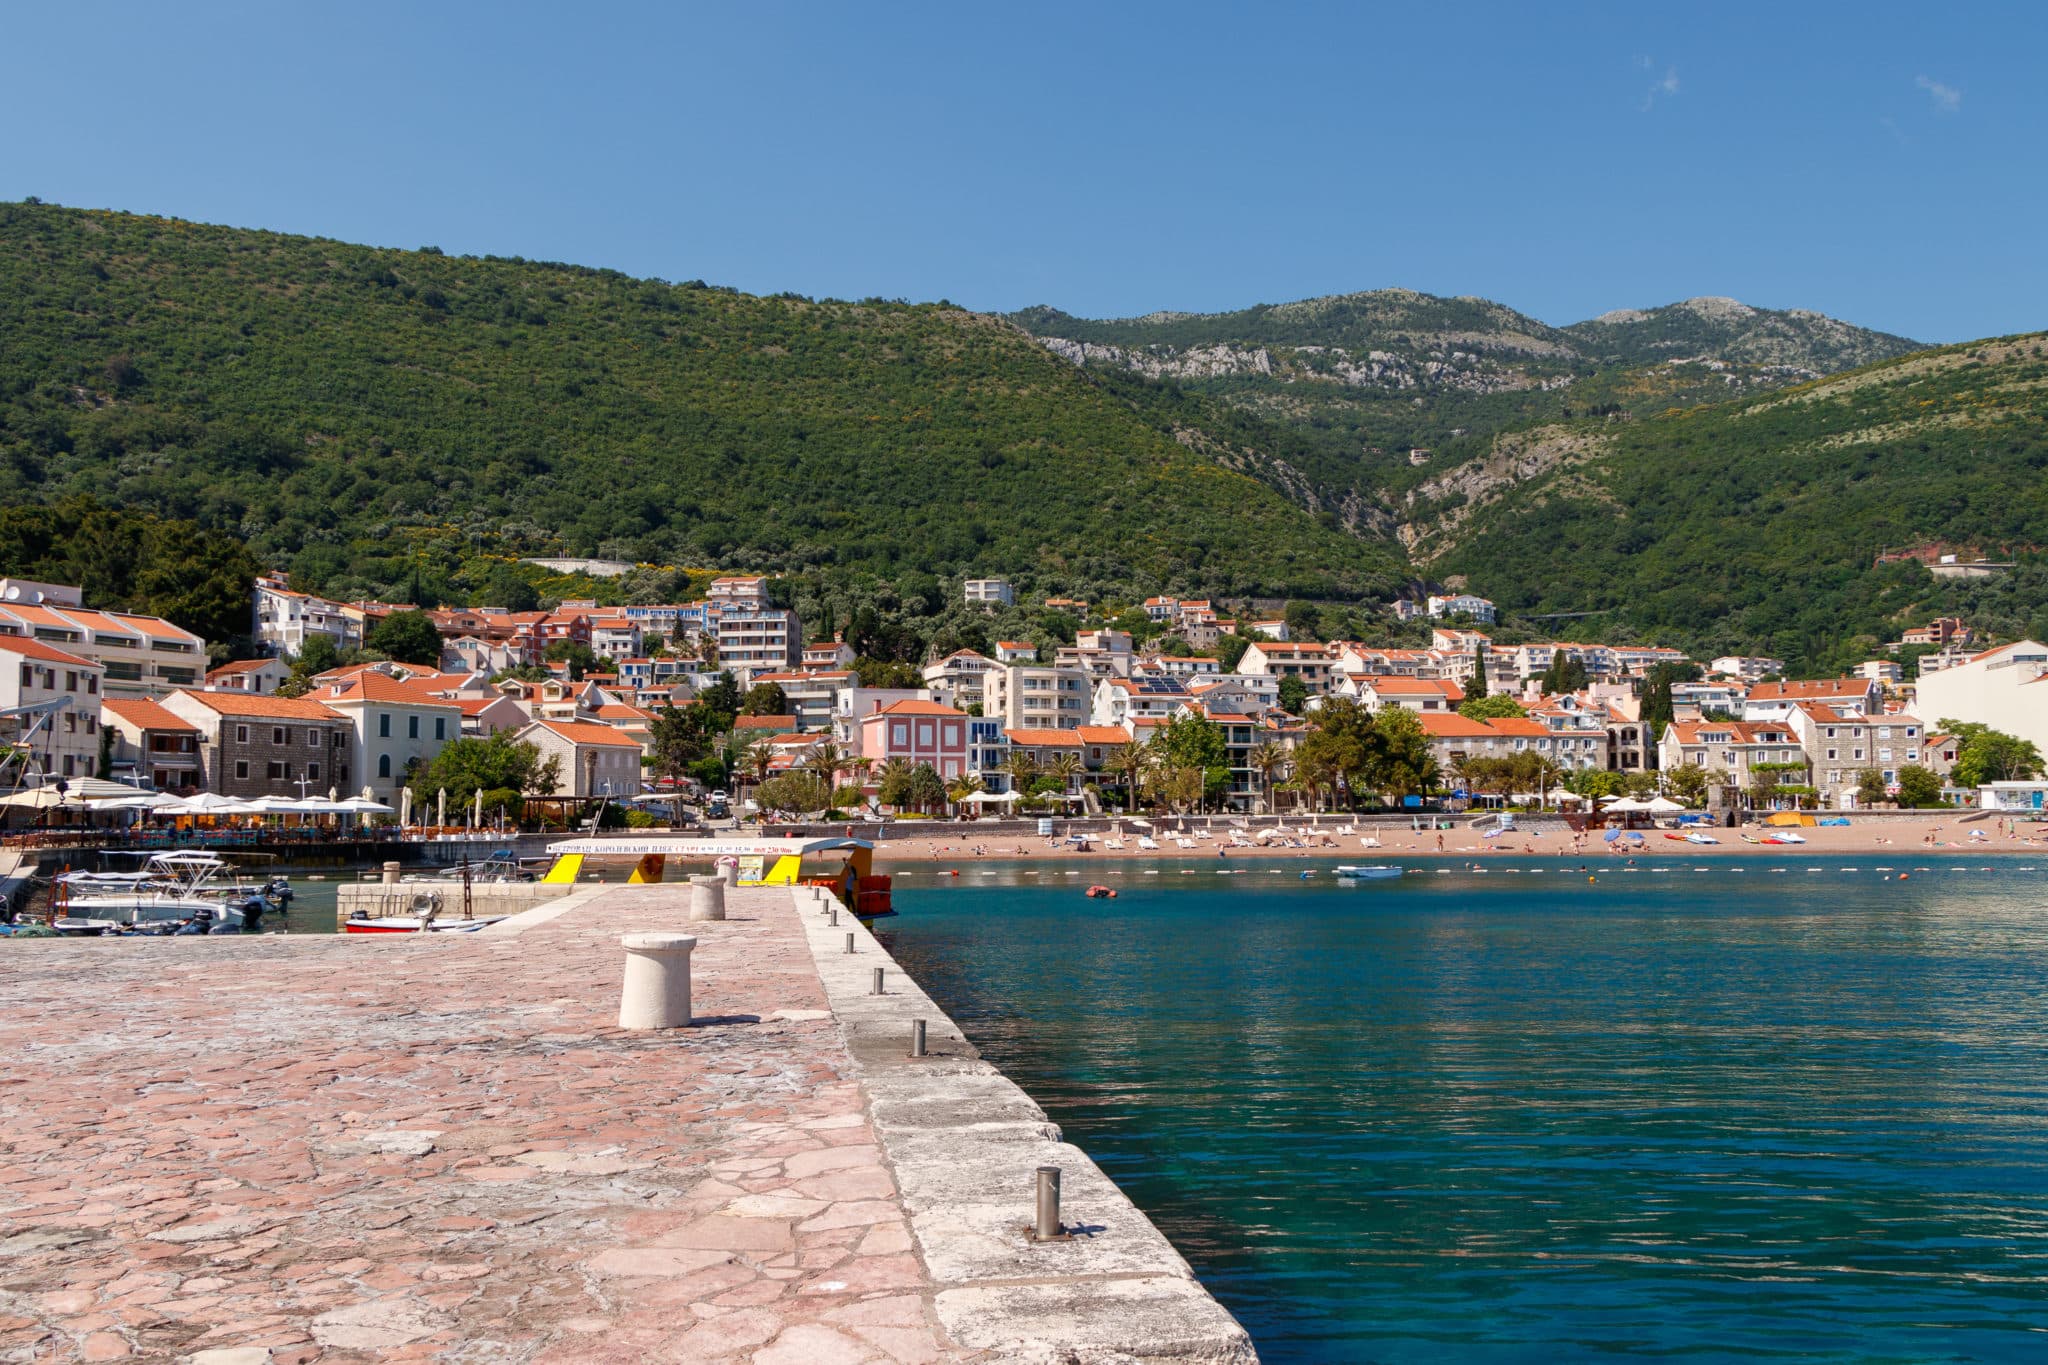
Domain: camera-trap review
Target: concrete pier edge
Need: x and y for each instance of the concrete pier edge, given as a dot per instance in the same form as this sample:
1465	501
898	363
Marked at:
964	1141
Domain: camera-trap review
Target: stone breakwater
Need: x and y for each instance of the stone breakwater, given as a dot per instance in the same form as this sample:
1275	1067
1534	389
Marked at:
425	1148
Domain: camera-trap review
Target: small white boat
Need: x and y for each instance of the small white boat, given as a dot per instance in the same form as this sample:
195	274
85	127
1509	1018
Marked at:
191	892
415	924
1371	872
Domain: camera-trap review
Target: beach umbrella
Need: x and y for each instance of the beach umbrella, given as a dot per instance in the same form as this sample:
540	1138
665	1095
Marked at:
138	801
405	807
361	805
1613	834
1663	805
209	803
441	808
476	817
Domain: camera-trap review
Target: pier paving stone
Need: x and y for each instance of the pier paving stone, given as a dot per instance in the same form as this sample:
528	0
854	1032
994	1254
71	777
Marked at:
442	1147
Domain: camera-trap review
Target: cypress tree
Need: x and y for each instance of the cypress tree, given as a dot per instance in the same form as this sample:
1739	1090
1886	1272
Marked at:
1478	688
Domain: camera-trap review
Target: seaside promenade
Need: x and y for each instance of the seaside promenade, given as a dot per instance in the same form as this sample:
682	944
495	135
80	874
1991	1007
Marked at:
442	1147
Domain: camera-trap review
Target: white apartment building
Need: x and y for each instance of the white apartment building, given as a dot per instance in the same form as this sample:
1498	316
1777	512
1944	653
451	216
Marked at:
958	679
2005	688
1748	667
758	639
1312	664
993	592
140	656
67	742
285	620
1038	696
1463	604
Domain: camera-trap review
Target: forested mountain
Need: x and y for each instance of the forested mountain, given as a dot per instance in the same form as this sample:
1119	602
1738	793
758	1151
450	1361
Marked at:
346	410
1756	525
390	422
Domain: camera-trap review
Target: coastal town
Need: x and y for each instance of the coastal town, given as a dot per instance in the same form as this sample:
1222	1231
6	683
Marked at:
1196	708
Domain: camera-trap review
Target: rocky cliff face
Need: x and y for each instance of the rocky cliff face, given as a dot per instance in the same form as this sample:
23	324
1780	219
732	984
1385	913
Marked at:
1444	369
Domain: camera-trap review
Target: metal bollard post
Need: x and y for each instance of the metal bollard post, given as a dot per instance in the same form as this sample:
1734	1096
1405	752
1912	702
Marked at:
917	1037
876	989
1047	1227
834	913
849	943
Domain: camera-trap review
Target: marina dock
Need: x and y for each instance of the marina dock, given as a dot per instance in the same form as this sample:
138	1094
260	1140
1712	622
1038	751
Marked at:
332	1149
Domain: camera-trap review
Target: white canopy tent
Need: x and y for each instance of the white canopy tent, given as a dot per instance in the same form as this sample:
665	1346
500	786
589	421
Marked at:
1662	805
990	798
1628	805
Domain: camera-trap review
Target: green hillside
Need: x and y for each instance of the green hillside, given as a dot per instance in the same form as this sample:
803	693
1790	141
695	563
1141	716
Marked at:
346	409
1755	525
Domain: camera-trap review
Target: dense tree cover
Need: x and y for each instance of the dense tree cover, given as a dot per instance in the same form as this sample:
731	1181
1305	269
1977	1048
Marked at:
1754	526
347	410
1989	755
501	767
1497	706
131	560
1356	754
407	636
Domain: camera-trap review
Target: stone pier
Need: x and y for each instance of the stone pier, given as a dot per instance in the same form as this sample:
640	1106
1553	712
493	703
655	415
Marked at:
337	1149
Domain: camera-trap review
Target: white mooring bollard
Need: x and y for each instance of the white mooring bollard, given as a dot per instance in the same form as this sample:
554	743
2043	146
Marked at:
656	993
729	870
707	898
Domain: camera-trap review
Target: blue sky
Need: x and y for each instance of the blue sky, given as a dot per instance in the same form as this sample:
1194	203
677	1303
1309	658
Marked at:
1880	162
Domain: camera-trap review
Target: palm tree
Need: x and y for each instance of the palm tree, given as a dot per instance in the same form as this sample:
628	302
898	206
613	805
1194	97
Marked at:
1267	759
1064	767
892	785
1318	772
963	787
1023	769
1126	763
826	760
759	755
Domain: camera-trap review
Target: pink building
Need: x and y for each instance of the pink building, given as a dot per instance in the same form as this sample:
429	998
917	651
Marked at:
917	732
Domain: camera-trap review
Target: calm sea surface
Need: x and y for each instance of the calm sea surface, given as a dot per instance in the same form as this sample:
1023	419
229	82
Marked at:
1513	1116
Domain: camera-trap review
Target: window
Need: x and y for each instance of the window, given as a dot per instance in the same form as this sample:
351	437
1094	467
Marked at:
312	737
67	765
383	765
899	733
274	771
92	724
383	726
277	734
1859	753
412	727
313	771
70	680
1834	753
440	727
92	686
242	768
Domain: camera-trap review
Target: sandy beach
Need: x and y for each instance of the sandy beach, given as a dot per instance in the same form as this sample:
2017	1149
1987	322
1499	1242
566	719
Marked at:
1943	834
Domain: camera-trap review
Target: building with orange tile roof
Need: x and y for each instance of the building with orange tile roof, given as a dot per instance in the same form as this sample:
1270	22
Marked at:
154	745
254	745
595	760
917	732
395	724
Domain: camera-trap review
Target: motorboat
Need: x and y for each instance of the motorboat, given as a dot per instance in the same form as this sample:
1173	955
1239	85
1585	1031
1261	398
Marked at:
1370	872
183	892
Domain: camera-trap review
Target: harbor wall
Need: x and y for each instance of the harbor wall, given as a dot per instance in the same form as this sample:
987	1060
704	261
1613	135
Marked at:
380	899
966	1143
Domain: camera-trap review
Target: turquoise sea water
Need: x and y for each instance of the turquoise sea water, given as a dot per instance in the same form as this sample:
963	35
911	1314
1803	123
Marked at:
1513	1116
